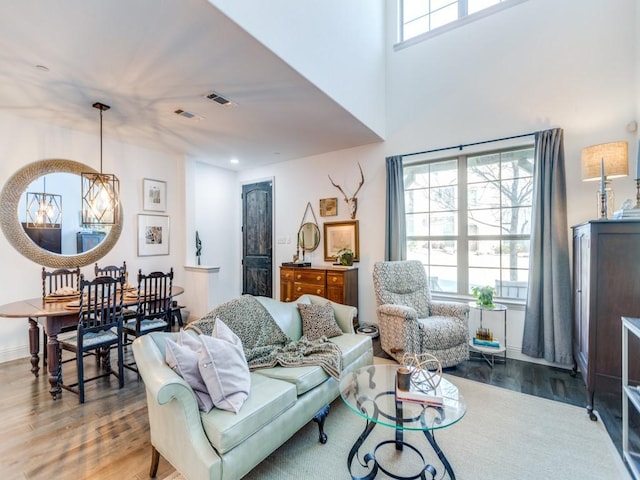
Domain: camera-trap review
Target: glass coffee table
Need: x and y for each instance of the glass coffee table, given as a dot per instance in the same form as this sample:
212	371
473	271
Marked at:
370	393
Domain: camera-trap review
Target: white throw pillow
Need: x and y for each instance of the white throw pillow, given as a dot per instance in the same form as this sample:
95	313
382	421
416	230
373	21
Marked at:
184	361
224	368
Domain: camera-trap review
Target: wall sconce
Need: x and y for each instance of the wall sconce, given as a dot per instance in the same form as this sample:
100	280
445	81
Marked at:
604	162
44	210
100	191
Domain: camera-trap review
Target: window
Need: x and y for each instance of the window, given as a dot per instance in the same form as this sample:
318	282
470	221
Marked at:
469	220
422	16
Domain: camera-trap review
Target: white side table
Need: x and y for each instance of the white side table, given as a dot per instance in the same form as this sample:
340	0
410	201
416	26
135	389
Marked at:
486	353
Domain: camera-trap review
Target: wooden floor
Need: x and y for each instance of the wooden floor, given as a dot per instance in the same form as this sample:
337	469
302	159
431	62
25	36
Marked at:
108	438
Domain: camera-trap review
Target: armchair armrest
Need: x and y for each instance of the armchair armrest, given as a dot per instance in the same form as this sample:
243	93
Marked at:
408	313
450	309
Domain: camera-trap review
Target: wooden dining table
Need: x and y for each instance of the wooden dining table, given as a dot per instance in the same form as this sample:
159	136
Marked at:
54	316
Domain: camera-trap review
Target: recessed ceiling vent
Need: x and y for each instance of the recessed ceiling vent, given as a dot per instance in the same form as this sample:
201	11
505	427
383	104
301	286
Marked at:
189	115
216	97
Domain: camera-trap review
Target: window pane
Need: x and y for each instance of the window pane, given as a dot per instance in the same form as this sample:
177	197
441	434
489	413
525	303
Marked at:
416	201
415	28
481	277
413	9
516	221
484	195
485	168
438	4
443	253
444	198
443	279
515	254
417	224
444	224
444	173
474	6
484	222
443	16
416	176
484	253
518	163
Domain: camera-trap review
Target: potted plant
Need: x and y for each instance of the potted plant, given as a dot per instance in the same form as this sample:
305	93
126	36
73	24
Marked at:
344	256
484	296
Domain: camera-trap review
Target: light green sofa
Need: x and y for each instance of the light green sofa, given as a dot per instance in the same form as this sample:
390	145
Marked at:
224	445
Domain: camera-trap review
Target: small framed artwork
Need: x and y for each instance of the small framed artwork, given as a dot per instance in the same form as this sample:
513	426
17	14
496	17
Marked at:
328	207
154	195
338	235
153	235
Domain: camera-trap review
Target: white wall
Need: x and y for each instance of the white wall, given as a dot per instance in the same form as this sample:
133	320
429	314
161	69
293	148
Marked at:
337	45
538	65
25	141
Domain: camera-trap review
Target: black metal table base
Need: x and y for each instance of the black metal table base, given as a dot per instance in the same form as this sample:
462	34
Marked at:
369	461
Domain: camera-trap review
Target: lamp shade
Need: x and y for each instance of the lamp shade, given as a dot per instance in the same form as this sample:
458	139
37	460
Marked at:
613	154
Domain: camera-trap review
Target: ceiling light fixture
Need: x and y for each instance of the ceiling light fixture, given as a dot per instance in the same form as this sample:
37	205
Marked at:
100	191
44	210
216	97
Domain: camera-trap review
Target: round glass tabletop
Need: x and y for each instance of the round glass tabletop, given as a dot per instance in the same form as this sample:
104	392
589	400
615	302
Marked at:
370	392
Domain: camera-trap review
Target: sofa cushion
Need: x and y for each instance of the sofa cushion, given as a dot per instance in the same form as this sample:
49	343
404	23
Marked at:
318	321
268	399
224	368
442	332
304	378
352	346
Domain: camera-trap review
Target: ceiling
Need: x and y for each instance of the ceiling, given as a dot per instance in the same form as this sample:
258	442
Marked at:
148	58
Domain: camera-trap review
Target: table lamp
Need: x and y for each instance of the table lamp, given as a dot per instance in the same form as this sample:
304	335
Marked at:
604	162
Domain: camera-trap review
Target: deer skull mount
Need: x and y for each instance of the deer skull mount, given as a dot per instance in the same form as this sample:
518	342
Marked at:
352	203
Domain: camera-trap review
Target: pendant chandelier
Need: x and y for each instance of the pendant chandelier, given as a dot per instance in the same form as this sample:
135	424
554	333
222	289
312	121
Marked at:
100	191
44	210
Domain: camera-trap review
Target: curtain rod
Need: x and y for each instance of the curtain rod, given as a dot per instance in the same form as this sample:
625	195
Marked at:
461	146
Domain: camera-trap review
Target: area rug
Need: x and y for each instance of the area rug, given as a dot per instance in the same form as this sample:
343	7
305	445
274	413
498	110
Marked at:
505	435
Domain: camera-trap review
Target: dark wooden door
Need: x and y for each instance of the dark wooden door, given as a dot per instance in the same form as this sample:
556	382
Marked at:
257	228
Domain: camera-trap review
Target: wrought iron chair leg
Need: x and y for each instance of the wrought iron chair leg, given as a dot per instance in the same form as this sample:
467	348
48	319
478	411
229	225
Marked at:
319	418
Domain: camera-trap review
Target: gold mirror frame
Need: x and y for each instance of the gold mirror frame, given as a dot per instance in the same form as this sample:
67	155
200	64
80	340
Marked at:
13	231
309	236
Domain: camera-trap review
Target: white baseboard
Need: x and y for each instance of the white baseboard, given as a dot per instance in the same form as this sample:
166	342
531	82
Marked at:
14	353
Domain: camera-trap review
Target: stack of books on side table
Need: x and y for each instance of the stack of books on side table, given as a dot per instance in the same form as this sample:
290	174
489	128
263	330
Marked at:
484	338
416	395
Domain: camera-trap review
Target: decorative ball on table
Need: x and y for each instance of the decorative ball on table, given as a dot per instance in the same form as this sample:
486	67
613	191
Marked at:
426	370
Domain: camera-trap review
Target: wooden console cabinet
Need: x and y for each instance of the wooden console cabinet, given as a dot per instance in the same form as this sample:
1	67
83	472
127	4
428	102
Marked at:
606	286
336	284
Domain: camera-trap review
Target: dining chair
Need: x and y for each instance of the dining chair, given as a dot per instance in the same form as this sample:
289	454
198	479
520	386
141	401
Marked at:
56	282
116	271
100	323
153	308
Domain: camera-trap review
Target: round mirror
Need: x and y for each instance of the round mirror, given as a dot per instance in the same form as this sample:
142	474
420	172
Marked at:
90	245
309	237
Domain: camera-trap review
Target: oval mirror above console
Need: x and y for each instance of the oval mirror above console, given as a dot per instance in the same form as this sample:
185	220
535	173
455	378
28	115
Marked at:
13	229
309	236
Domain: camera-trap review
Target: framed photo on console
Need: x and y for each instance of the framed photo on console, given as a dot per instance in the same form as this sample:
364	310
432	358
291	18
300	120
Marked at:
154	195
339	235
153	235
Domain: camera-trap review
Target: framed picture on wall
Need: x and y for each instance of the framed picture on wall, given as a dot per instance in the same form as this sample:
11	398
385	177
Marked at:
328	207
154	195
339	235
153	235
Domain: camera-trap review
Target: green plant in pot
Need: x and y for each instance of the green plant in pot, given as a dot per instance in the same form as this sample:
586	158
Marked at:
345	256
484	296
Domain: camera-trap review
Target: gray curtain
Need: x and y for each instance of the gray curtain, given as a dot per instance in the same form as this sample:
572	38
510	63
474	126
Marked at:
395	228
548	315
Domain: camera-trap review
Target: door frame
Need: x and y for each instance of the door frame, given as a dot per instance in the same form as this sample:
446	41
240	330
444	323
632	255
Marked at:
273	230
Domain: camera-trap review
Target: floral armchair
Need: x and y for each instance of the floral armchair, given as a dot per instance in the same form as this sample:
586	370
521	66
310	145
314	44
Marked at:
410	322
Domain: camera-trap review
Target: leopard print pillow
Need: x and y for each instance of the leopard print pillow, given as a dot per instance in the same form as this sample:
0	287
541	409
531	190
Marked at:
318	321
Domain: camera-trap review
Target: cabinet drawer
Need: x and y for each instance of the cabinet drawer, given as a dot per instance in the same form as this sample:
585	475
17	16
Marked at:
316	277
286	275
302	288
335	279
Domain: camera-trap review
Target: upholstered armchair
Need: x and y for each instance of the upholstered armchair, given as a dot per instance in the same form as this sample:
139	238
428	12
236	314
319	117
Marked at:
410	322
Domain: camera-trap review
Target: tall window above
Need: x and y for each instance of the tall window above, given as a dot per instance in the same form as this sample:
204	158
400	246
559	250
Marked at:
469	220
421	16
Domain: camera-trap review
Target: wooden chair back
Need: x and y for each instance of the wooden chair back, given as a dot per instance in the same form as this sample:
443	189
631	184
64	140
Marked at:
100	306
114	271
60	278
155	292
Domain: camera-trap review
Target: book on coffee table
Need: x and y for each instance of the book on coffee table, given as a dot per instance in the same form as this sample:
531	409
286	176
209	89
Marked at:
418	395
